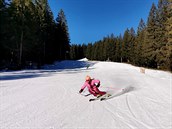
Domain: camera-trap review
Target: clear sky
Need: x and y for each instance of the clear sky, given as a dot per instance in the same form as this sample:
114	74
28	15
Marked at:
91	20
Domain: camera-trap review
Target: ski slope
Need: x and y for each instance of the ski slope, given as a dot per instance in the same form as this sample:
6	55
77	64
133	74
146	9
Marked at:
49	98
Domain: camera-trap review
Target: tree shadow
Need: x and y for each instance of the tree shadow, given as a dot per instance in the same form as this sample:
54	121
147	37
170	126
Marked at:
67	66
70	64
22	75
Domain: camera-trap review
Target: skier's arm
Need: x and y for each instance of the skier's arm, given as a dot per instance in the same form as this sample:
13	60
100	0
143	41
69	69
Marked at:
83	87
91	91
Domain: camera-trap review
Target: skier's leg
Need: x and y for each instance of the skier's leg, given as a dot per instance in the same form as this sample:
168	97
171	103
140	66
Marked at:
93	93
102	92
98	91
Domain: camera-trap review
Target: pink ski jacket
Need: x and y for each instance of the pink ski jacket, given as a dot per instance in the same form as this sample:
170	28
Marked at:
91	85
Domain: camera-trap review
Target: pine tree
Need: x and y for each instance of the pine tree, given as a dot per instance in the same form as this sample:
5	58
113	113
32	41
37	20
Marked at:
150	45
17	11
73	52
109	46
89	51
131	49
168	47
63	35
4	21
95	51
125	46
169	22
80	52
29	33
84	48
161	38
140	38
118	48
46	24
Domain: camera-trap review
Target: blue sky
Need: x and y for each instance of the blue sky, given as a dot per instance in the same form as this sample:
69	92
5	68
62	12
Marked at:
91	20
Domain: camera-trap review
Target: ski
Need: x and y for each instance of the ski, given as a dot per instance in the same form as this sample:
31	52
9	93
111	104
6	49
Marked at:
99	98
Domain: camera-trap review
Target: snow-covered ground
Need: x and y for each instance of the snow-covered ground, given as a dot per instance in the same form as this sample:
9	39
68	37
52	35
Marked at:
49	98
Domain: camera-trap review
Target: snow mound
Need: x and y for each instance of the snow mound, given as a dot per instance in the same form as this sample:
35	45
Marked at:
84	59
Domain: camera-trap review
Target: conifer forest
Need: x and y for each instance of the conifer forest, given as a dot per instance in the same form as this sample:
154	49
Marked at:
31	36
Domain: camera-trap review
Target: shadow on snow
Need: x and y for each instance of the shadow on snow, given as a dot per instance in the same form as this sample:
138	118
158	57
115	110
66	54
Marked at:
66	66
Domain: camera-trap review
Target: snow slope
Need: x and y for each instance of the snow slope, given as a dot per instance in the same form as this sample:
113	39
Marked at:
49	98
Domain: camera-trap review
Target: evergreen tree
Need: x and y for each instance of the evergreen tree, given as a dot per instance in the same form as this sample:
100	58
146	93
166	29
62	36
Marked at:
46	29
118	49
84	48
89	51
169	22
80	52
77	51
161	38
103	50
73	52
29	33
140	39
21	27
3	25
168	47
16	23
131	49
111	47
95	51
63	35
150	45
125	46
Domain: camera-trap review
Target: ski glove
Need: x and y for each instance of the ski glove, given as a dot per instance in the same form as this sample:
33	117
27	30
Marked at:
80	90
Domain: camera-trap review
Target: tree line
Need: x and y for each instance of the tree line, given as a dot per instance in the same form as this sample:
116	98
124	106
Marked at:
30	34
150	46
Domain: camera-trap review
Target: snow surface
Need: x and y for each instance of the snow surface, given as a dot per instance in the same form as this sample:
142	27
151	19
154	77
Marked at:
49	98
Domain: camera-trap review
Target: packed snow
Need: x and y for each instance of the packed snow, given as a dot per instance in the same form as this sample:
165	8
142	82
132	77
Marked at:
49	98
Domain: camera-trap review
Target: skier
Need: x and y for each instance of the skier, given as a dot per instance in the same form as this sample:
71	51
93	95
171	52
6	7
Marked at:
92	85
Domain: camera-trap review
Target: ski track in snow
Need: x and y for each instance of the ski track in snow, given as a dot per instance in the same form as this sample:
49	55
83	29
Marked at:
49	99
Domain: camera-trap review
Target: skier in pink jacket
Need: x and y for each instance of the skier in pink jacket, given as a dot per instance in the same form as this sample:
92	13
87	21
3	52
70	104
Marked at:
92	85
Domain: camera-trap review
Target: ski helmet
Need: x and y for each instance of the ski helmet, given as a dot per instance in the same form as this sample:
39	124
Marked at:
87	78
